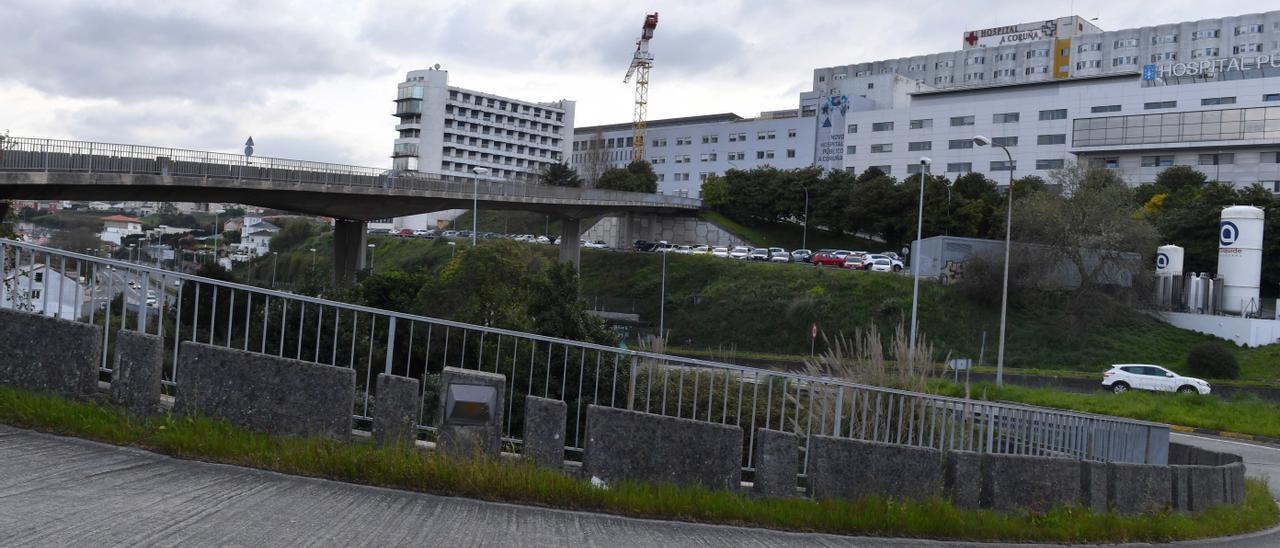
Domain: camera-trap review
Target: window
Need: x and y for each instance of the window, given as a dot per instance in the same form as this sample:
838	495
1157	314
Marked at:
1164	56
680	176
1202	34
1001	165
972	76
1036	70
704	175
35	293
1159	104
841	76
708	157
1096	63
1124	60
851	149
791	133
956	144
1204	52
709	139
736	137
762	135
925	123
1270	157
882	126
1004	141
1247	48
916	169
658	160
975	60
957	121
1004	118
1049	164
1105	108
1035	53
764	154
943	79
944	64
1271	97
920	145
1096	46
684	141
853	128
1108	163
1218	101
884	169
682	159
1217	159
1126	43
791	153
871	85
1248	29
1007	56
39	277
1057	114
1052	139
737	156
1004	73
1164	39
882	148
960	167
1157	161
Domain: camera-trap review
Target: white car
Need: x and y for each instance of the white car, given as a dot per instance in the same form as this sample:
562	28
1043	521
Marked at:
895	264
740	252
779	255
882	264
684	249
1140	376
722	252
598	244
701	249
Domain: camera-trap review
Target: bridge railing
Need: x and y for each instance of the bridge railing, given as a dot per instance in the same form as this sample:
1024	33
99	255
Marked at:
183	307
56	155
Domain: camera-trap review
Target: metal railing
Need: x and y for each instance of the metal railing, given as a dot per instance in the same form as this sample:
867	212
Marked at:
55	155
181	307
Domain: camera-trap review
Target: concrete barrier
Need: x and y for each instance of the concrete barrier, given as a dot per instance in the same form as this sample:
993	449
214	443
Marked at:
1137	488
1205	487
853	469
396	407
544	425
963	478
135	379
1034	483
1094	485
265	393
1233	482
777	461
44	354
630	445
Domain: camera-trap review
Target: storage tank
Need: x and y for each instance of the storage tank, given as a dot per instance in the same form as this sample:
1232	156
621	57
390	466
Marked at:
1169	260
1240	257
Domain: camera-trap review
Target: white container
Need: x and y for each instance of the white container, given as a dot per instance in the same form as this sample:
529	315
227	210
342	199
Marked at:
1240	257
1169	259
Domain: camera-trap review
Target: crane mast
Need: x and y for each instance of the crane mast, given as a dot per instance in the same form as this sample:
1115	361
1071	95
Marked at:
641	62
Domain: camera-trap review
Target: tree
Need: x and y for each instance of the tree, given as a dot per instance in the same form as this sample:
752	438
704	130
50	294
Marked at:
715	192
638	176
557	311
292	235
560	174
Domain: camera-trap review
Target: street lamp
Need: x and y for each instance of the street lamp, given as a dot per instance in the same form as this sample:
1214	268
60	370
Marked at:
313	258
662	304
915	260
131	248
216	212
475	199
804	238
371	248
275	258
453	248
1004	290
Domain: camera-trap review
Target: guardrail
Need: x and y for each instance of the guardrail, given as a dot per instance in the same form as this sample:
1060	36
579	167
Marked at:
182	307
55	155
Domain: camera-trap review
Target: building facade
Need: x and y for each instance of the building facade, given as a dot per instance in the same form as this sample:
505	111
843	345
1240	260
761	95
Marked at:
1203	93
448	130
685	151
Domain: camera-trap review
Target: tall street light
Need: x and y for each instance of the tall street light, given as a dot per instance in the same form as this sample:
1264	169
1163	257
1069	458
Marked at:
1004	290
275	258
453	248
662	304
216	212
371	248
475	199
313	258
915	260
804	238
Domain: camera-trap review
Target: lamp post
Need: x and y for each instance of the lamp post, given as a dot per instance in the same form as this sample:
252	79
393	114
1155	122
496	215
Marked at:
275	258
804	238
313	258
475	199
371	248
915	261
453	248
131	248
216	212
662	303
1004	289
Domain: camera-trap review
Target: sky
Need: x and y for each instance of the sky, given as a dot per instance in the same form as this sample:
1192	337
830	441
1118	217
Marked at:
315	79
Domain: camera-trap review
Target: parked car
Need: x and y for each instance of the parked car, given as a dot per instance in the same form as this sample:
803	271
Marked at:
759	254
779	255
895	264
683	249
826	257
643	246
543	240
664	247
1123	377
801	256
451	234
882	264
740	252
598	244
377	231
701	249
854	262
722	252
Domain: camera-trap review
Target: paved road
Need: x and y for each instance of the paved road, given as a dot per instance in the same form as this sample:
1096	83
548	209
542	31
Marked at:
59	491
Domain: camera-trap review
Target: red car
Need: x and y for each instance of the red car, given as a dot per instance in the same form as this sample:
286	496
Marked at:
827	257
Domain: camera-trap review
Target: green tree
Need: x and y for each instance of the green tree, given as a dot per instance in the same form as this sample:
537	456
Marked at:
715	192
559	174
556	310
292	234
638	176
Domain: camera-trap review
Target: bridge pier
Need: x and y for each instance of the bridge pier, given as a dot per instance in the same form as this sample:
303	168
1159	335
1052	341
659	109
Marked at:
570	236
350	239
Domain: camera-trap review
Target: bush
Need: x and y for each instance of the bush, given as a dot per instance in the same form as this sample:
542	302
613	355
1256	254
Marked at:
1213	360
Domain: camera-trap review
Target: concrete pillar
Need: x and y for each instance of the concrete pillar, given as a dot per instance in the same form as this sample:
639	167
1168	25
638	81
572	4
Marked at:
624	231
395	411
544	436
570	239
349	241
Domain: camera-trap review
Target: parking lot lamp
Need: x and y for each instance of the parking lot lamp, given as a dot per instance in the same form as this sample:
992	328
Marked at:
915	261
1004	290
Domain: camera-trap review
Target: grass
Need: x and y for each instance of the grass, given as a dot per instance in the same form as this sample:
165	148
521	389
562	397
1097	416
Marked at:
515	481
1243	414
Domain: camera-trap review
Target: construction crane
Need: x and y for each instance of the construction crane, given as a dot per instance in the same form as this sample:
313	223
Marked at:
641	62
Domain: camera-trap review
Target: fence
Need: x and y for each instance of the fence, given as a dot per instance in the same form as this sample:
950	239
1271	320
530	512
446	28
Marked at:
54	155
182	307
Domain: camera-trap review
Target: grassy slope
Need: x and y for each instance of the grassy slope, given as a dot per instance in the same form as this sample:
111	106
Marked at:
790	236
516	481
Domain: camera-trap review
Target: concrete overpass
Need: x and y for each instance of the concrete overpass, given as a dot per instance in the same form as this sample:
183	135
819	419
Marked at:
51	169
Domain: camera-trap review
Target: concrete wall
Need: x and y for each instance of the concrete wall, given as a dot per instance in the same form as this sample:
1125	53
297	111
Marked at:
630	445
1242	331
273	395
619	231
66	362
135	379
852	469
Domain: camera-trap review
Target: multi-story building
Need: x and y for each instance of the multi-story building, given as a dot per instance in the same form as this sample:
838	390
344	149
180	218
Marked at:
448	130
1203	93
685	151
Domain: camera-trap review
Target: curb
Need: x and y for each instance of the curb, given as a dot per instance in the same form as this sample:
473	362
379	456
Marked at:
1224	434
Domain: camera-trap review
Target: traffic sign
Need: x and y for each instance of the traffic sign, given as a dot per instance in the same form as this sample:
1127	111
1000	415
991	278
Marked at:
248	146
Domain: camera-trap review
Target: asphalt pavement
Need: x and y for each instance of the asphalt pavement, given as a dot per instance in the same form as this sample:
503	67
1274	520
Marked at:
57	491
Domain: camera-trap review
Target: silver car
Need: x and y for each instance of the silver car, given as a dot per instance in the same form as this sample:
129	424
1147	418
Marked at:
779	255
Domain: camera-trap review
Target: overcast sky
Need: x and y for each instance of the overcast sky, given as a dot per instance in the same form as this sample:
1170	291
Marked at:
314	79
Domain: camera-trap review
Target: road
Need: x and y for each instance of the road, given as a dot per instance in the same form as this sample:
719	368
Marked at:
58	491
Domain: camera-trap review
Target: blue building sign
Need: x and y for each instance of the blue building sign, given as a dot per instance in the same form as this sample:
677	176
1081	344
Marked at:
1148	72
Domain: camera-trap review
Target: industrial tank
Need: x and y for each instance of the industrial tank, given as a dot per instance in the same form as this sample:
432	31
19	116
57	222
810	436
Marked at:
1169	260
1240	258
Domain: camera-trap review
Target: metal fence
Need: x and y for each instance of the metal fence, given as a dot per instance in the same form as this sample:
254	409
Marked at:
181	307
55	155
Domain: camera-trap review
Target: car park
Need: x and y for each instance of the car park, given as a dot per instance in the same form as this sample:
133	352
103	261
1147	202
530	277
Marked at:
1140	376
801	256
722	252
759	254
740	252
779	255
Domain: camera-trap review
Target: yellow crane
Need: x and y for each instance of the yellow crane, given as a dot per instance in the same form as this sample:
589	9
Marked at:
641	62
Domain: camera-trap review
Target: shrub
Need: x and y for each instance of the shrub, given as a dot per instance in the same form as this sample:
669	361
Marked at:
1213	360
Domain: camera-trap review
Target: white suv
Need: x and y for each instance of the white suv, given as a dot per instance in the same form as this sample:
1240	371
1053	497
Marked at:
1122	377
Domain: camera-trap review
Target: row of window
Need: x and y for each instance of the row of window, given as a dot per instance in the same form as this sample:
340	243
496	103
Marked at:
960	121
1178	127
967	167
1167	160
482	129
521	123
628	142
958	144
551	144
499	104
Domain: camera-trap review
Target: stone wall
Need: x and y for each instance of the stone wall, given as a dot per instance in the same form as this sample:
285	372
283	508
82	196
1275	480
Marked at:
619	231
630	445
135	379
45	354
265	393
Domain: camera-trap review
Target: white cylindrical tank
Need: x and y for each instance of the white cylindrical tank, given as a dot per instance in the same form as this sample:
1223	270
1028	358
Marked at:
1240	257
1169	260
